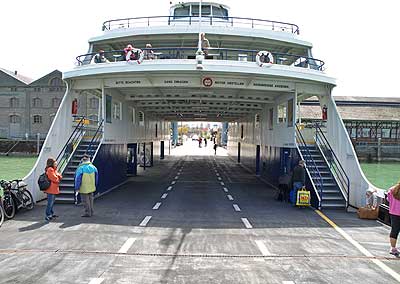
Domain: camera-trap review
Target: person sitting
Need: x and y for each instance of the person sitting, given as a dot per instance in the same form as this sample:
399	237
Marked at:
148	52
131	53
100	58
371	199
205	44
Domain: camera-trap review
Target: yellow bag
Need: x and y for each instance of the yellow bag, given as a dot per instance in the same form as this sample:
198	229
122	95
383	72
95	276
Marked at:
303	197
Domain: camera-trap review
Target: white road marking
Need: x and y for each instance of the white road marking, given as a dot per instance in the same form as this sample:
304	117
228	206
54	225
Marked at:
217	174
219	178
236	207
127	245
230	197
263	248
173	182
246	223
179	173
164	196
176	177
96	280
156	206
145	221
363	250
288	282
375	244
222	183
225	189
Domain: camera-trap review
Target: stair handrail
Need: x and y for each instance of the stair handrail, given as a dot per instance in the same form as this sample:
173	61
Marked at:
95	138
313	165
78	131
335	166
12	147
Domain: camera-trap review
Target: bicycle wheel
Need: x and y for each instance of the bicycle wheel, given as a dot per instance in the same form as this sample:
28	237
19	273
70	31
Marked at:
1	215
8	205
27	199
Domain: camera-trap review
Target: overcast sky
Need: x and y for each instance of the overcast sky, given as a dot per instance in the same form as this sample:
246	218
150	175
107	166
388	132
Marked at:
358	40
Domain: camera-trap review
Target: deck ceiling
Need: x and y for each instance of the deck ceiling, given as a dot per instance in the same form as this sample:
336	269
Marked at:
198	104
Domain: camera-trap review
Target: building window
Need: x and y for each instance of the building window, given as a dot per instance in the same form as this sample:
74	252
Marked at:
15	119
55	102
13	89
94	103
365	132
37	89
37	119
37	102
14	102
385	133
56	82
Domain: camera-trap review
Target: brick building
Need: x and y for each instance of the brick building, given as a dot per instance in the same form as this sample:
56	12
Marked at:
28	107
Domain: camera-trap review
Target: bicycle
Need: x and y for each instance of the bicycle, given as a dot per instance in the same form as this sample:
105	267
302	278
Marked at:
1	211
16	196
7	202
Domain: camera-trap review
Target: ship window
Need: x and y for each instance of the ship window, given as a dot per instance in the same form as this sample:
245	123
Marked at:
271	119
141	118
219	12
205	10
365	132
181	12
282	113
385	133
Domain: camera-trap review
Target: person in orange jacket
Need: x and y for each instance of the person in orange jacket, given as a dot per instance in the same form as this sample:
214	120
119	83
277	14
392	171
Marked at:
55	177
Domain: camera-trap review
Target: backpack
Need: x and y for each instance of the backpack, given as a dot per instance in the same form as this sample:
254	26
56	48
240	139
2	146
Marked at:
43	182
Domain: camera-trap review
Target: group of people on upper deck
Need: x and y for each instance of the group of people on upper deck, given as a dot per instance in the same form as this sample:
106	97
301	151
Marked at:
131	53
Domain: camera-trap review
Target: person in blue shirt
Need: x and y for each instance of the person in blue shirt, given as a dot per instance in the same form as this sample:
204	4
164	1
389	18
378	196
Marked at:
86	179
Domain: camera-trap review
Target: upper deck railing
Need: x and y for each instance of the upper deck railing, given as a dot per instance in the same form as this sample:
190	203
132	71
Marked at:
210	20
212	54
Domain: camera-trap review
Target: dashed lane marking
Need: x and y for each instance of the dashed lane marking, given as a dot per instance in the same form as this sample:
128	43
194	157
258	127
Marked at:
96	280
222	183
145	221
246	223
169	188
217	174
236	207
176	177
229	197
127	245
164	196
288	282
363	250
219	178
225	189
156	206
173	182
261	246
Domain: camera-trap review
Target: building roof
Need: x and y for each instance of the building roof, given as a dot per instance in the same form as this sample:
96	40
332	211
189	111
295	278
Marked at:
356	108
14	74
44	80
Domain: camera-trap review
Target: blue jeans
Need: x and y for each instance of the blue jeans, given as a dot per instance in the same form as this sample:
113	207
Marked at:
50	203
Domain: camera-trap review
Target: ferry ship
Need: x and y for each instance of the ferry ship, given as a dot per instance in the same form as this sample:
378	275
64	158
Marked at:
200	63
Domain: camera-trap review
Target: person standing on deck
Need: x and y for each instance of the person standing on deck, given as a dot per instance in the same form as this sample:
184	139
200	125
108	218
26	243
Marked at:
54	177
299	176
393	197
86	178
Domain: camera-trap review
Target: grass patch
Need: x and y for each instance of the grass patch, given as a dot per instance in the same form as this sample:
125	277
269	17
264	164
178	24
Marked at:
15	167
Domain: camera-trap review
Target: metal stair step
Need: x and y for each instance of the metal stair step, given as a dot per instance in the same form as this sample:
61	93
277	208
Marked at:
62	199
67	191
62	184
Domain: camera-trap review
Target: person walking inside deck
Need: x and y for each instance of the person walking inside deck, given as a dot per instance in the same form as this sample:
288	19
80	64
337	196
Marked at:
393	197
100	57
54	177
86	178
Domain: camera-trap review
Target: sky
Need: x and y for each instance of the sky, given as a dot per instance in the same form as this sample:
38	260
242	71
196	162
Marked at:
358	40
